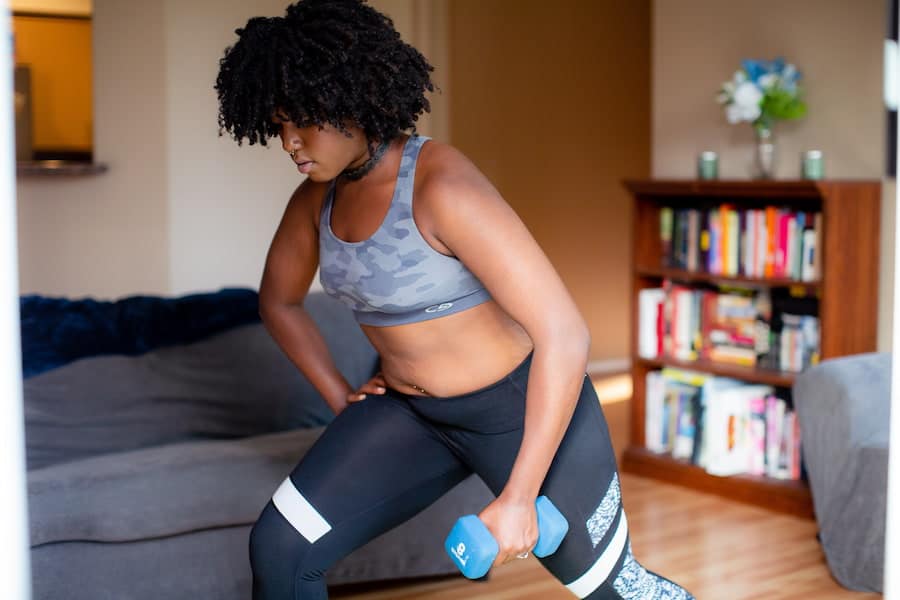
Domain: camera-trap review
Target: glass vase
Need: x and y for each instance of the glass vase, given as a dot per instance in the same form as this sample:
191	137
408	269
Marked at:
765	153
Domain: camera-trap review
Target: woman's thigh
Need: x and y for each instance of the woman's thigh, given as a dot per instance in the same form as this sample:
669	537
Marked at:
376	465
582	481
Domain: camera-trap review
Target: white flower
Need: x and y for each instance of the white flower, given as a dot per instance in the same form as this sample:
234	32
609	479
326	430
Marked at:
733	113
747	95
746	103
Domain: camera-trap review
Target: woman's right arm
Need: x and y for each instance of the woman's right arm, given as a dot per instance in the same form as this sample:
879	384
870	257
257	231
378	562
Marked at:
290	266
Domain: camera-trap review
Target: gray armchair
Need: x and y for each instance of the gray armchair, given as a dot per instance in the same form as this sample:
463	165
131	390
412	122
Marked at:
843	406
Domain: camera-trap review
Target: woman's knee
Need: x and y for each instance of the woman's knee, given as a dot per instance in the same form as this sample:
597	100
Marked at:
280	559
273	540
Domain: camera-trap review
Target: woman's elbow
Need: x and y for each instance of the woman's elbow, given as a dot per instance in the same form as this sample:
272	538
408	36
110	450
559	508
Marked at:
581	339
270	307
574	337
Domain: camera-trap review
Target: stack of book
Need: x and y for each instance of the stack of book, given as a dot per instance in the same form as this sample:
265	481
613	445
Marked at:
722	425
770	242
724	326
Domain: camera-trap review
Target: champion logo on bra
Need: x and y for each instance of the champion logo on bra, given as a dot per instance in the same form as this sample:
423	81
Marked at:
439	307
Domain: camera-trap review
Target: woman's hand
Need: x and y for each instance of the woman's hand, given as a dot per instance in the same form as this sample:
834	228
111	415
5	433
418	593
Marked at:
376	385
513	523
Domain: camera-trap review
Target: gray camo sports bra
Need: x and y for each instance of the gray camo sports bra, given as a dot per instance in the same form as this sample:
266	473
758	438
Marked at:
395	277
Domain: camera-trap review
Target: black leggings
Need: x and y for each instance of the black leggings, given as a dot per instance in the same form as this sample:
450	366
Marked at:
386	458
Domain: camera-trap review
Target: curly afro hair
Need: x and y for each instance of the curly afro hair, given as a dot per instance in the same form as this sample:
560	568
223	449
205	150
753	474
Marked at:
325	61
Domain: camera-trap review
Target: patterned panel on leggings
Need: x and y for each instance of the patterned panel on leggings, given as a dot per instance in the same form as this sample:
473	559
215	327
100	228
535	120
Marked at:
599	522
634	582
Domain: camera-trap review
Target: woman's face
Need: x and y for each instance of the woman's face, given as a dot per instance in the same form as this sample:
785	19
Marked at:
322	152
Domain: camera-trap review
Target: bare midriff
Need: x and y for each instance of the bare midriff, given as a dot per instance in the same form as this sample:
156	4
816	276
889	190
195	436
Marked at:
451	355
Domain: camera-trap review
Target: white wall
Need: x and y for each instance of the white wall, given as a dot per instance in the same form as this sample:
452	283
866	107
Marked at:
107	235
224	201
15	572
180	209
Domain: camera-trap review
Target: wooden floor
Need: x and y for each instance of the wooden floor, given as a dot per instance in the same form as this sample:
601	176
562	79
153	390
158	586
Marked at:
716	548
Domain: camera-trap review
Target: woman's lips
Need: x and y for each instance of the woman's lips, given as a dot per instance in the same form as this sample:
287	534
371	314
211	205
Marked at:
305	167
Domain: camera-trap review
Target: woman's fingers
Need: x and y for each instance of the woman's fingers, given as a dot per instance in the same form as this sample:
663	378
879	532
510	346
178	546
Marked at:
372	387
376	385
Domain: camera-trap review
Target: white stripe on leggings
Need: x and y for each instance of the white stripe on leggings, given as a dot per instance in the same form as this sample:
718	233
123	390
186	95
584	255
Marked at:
299	512
598	573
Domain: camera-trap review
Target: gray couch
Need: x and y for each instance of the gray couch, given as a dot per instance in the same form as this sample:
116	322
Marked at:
843	406
146	472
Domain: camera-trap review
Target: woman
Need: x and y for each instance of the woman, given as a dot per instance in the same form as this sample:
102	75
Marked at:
483	351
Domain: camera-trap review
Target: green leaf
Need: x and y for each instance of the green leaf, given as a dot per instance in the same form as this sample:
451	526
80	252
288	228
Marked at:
780	104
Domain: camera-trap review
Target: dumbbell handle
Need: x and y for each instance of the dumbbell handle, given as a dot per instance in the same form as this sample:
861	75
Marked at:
473	548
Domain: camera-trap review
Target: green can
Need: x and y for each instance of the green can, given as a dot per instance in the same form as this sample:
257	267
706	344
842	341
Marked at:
708	165
812	165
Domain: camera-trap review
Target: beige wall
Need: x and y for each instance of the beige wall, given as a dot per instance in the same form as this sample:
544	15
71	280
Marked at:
838	45
180	209
552	102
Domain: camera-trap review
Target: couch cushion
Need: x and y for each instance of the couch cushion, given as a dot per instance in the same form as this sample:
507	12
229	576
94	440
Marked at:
191	486
161	491
56	331
235	384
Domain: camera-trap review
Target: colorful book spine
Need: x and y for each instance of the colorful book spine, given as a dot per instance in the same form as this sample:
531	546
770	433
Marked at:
726	240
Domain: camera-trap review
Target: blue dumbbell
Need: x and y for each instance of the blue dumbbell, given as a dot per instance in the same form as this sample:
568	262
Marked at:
473	548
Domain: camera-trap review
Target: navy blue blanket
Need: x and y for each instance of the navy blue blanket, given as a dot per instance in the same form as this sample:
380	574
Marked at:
56	331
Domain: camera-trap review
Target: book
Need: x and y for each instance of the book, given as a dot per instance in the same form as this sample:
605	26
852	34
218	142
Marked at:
728	428
665	235
653	411
649	301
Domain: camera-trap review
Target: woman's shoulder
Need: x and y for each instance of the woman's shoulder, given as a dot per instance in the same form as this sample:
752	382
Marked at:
309	198
442	167
437	157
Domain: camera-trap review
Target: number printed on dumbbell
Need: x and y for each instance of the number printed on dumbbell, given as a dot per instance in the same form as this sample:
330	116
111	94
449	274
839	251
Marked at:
460	551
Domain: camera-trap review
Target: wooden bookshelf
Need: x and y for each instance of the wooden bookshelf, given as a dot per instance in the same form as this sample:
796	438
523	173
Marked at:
847	299
787	496
749	374
683	276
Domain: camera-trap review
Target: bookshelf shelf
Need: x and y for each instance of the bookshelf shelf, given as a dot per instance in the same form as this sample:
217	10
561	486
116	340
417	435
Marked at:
846	294
749	374
702	277
782	495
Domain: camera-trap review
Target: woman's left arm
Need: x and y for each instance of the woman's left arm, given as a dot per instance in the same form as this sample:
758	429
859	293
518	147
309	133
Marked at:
470	217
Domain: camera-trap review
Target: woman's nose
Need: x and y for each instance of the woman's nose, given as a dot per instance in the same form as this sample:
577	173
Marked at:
290	140
290	143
